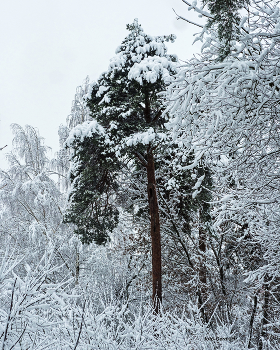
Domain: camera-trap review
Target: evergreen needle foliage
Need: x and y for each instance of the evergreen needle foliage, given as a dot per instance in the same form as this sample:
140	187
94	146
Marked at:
225	15
127	114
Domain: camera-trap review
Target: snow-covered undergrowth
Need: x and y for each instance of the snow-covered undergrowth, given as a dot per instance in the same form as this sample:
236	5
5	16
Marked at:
37	314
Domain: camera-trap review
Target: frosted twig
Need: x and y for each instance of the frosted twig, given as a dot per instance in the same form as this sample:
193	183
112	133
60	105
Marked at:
201	12
187	20
80	331
9	316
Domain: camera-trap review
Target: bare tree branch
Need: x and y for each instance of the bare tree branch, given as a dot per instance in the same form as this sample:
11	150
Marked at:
9	316
80	331
201	12
187	20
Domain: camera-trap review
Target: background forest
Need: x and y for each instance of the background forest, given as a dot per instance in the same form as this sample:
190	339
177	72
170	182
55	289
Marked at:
156	226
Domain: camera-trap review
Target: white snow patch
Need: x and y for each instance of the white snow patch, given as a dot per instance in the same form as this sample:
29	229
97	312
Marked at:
84	130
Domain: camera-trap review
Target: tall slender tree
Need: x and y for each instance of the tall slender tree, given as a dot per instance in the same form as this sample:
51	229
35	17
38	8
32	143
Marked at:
127	127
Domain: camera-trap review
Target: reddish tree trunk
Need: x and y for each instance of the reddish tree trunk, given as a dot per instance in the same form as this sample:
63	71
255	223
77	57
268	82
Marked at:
202	273
155	232
202	248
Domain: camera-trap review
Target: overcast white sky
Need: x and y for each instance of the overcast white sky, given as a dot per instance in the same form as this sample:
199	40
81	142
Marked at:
48	47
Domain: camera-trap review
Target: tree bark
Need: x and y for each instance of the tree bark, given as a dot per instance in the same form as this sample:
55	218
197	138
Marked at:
202	273
202	248
77	266
155	232
252	320
264	321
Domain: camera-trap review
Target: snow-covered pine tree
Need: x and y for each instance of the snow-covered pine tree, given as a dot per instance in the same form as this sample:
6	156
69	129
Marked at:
126	130
225	17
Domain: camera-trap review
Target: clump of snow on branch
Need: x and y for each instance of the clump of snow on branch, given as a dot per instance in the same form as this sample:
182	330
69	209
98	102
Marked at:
151	69
145	137
87	129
